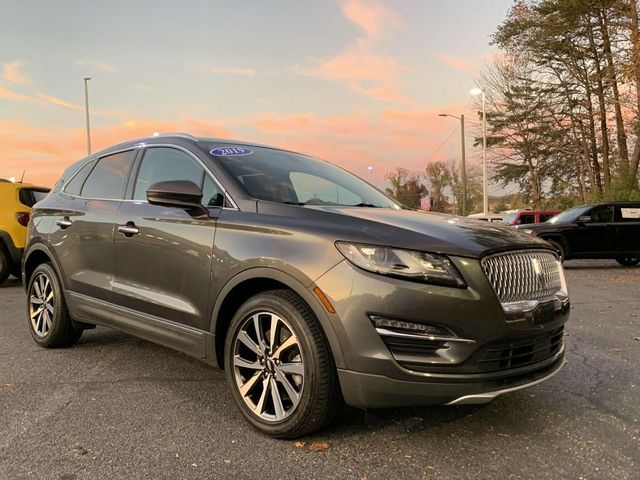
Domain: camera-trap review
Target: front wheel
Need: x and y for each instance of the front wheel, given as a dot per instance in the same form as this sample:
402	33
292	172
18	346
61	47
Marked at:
279	366
48	318
628	261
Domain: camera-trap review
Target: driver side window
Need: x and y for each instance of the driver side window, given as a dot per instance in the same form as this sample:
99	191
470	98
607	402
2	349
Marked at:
161	164
603	214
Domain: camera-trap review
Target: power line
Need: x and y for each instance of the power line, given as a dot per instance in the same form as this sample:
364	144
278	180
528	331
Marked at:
441	145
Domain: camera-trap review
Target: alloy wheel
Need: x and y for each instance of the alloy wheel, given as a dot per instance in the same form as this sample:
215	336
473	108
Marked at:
268	366
41	305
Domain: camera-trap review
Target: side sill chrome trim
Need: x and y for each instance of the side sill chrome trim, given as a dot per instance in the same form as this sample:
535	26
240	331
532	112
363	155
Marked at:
480	398
139	316
415	336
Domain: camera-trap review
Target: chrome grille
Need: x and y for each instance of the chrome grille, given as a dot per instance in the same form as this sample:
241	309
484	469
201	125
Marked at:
523	275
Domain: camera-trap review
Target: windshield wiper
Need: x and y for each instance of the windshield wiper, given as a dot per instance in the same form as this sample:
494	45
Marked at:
295	203
366	205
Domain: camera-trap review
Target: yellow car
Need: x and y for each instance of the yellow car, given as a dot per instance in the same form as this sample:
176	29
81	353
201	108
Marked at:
16	200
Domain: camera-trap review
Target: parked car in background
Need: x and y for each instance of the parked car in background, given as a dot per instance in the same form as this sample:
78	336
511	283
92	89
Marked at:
526	217
495	217
16	200
609	230
304	282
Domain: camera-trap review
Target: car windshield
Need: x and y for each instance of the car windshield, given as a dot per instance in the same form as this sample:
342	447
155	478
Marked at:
508	220
568	215
286	177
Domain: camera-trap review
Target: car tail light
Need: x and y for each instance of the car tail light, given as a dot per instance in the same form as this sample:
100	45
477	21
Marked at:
23	218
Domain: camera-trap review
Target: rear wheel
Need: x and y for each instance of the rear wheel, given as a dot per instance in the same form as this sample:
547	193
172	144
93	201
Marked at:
628	261
49	321
279	366
4	265
559	248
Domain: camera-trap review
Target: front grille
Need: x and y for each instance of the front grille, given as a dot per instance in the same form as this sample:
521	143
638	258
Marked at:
520	352
523	275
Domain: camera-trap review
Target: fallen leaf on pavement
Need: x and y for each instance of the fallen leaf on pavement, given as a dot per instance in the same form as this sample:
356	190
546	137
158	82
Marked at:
299	444
318	446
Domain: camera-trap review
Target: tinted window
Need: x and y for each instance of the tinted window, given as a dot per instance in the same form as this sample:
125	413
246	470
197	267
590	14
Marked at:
526	218
602	214
212	196
74	186
30	197
545	216
164	164
287	177
628	213
108	178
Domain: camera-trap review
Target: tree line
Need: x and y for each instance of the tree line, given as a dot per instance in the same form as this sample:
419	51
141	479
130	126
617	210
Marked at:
562	104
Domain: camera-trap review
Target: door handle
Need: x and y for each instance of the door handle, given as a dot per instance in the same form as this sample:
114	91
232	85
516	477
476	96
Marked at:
64	223
129	229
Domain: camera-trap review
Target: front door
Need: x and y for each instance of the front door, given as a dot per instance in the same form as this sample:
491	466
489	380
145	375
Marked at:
163	254
595	237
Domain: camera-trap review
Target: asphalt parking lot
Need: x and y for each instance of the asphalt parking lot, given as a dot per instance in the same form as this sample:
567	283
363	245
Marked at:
114	406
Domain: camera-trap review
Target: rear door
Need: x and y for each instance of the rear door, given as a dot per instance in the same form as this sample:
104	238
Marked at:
163	268
627	219
82	235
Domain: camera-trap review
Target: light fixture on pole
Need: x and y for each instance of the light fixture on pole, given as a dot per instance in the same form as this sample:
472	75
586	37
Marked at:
463	165
86	112
485	197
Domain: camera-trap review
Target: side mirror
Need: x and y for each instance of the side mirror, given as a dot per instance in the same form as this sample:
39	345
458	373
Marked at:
584	219
179	194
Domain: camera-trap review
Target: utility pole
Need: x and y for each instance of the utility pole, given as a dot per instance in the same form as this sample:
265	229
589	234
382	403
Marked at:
463	167
463	164
86	112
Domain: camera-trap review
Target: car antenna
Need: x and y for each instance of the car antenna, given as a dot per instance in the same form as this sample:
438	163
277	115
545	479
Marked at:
22	177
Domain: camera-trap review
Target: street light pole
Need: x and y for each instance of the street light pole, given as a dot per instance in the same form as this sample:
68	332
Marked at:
86	112
463	165
485	186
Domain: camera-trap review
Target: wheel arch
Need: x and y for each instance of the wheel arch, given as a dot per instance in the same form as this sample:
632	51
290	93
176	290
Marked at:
558	237
251	282
36	255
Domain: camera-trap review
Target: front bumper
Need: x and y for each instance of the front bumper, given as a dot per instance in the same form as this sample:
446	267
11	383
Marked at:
376	391
377	372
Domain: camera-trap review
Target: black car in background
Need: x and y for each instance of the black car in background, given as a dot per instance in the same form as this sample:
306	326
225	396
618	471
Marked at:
609	230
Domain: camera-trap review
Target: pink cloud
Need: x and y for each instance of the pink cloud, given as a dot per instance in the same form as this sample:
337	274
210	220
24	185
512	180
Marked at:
59	102
458	63
246	72
371	18
11	72
7	94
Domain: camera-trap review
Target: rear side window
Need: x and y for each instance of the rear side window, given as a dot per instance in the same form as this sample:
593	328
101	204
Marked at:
108	178
628	213
74	186
546	216
30	197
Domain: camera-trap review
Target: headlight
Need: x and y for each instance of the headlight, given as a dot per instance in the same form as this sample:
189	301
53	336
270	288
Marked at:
527	230
407	264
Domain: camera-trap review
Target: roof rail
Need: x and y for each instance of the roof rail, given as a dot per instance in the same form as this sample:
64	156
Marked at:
174	134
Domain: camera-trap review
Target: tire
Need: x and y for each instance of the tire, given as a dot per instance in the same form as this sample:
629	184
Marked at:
4	265
52	327
312	398
628	261
559	248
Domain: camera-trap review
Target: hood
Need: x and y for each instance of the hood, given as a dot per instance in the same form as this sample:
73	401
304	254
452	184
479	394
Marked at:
440	233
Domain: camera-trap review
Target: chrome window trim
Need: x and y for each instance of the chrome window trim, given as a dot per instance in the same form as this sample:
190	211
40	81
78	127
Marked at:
144	145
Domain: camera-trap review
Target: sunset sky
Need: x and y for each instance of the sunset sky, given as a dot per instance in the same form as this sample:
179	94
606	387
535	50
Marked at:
356	82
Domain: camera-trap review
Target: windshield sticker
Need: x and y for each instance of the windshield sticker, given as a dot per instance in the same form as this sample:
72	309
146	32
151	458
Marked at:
630	212
231	151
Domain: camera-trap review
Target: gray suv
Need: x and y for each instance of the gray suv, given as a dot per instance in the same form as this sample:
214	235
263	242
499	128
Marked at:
309	286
